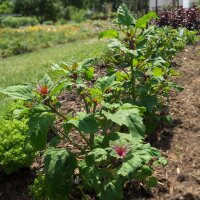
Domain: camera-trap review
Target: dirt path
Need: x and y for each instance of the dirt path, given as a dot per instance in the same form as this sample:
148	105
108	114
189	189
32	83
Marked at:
180	180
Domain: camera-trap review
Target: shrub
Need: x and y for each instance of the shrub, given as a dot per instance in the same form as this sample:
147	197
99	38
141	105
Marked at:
75	14
15	150
6	7
48	23
15	22
181	17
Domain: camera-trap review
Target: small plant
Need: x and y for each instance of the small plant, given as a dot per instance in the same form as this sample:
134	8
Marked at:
16	151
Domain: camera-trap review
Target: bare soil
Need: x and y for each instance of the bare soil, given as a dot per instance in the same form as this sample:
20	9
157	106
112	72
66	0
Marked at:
180	143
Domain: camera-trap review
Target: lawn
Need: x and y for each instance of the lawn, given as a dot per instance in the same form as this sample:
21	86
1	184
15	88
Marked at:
29	67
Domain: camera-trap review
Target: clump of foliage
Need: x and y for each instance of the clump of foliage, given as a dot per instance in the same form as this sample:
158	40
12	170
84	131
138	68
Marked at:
181	17
28	39
118	110
16	151
6	7
16	22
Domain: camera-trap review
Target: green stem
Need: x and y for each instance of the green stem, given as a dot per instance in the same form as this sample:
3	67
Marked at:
86	105
84	138
94	108
57	112
132	81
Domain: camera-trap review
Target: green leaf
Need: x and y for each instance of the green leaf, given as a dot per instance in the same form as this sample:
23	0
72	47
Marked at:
105	83
152	182
143	21
97	155
109	34
124	16
111	190
85	123
39	123
22	92
60	87
157	72
46	80
59	166
129	117
130	166
136	126
89	73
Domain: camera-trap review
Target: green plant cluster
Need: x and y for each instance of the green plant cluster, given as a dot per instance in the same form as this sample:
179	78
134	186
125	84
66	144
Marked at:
28	39
16	151
16	22
119	110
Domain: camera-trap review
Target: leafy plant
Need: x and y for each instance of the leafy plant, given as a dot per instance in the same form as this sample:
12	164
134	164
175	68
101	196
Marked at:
181	17
118	109
16	151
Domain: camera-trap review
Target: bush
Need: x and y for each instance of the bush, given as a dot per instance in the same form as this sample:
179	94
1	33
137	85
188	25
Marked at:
15	22
6	8
48	23
181	17
15	150
75	14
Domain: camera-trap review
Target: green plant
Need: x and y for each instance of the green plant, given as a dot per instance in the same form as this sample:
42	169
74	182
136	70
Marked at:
117	109
16	151
16	22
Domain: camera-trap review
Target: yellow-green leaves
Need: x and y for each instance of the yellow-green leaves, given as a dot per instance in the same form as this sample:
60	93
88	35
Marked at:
143	21
109	34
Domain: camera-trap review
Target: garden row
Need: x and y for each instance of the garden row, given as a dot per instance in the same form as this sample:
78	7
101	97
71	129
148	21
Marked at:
98	148
28	39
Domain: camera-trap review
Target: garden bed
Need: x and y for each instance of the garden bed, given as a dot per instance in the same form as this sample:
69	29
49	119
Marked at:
180	179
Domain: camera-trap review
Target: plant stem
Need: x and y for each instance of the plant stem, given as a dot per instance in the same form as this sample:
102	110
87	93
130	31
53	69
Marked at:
86	105
57	112
84	138
132	81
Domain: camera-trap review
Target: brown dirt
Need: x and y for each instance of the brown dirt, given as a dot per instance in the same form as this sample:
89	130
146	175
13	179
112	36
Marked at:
180	143
180	179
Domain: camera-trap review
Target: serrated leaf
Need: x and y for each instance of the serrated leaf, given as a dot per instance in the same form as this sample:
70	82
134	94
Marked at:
111	190
59	165
97	155
85	123
105	83
130	166
109	34
39	123
22	92
143	21
128	117
124	16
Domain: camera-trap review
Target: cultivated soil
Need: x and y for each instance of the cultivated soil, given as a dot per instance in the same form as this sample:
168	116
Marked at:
180	143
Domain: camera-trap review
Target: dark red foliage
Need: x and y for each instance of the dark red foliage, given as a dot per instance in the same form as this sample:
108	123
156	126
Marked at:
181	17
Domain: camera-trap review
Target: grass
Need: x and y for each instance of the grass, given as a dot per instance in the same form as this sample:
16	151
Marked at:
31	66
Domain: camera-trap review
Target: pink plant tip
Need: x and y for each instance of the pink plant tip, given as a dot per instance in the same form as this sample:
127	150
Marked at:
121	150
43	90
